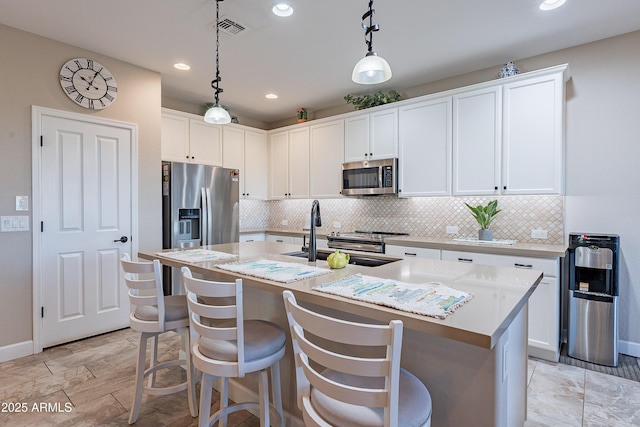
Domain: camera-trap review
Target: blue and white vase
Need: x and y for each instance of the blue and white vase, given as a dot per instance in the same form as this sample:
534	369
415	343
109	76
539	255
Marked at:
509	69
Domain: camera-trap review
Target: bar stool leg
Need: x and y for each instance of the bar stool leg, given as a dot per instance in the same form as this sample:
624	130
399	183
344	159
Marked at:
263	396
276	391
154	360
224	399
137	396
206	389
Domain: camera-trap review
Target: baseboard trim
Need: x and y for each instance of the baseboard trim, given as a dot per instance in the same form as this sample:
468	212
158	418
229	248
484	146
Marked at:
240	393
15	351
629	348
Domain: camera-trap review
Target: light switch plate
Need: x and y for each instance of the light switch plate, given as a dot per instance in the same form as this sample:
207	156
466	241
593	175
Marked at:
285	222
14	223
539	234
22	203
337	224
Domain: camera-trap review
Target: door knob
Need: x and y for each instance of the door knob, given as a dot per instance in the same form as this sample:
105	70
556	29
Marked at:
123	239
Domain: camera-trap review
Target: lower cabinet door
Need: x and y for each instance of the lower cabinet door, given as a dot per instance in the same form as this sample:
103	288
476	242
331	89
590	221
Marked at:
544	309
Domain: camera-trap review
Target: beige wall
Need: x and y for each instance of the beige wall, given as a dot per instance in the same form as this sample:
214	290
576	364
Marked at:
602	150
29	76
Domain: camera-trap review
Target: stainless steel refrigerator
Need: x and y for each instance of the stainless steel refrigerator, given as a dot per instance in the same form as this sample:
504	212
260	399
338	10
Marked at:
200	206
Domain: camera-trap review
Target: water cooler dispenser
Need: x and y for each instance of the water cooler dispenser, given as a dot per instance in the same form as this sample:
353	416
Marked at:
593	298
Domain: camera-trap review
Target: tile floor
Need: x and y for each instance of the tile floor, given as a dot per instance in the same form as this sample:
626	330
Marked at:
89	383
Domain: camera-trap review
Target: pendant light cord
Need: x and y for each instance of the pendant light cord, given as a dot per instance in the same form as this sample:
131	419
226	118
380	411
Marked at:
215	83
369	29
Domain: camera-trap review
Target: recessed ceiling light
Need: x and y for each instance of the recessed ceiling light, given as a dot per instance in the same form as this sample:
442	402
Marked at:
271	96
282	9
182	67
551	4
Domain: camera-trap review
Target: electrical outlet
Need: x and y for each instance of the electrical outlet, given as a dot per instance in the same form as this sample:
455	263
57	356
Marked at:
337	224
285	222
22	203
539	234
452	229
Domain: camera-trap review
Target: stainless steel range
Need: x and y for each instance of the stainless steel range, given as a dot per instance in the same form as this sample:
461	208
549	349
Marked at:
367	241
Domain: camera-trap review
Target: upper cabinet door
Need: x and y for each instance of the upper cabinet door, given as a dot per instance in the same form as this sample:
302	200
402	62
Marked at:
299	163
327	143
383	134
279	165
477	135
205	143
356	138
533	156
175	138
425	148
233	149
371	136
255	165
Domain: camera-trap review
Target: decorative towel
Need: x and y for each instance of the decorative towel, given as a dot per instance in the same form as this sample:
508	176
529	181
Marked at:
486	242
197	255
275	270
430	299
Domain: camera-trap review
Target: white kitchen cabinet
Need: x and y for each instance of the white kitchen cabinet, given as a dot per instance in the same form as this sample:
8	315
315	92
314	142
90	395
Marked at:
477	136
325	169
175	138
424	164
544	303
205	143
533	135
289	164
246	150
280	238
407	251
187	138
252	237
371	136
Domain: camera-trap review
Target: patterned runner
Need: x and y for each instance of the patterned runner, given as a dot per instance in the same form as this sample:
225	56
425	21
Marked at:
429	299
277	271
197	255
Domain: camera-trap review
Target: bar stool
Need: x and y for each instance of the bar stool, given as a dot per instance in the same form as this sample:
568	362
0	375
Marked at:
152	314
227	346
349	389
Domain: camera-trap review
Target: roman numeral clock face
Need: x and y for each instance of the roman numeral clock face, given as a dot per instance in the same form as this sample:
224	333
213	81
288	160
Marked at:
88	83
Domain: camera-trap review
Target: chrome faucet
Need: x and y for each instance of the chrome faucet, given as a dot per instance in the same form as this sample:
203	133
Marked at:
316	220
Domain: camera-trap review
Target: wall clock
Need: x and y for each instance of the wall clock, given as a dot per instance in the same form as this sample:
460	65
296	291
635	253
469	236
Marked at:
88	83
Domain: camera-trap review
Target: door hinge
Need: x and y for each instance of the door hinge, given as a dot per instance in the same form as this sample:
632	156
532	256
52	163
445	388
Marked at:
42	226
41	140
42	312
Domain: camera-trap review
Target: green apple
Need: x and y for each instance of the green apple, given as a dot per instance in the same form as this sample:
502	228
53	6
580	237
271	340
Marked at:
338	259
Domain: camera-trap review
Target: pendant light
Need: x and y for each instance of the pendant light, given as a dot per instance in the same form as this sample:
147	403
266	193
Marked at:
372	68
217	114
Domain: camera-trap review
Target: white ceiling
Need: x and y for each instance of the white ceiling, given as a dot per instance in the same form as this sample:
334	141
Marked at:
307	58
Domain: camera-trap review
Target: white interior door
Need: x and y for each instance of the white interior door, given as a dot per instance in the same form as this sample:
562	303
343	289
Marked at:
86	214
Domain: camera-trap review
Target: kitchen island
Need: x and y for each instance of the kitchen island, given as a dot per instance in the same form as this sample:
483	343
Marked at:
474	362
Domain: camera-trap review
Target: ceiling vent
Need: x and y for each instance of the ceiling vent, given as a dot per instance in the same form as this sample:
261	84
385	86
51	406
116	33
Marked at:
231	26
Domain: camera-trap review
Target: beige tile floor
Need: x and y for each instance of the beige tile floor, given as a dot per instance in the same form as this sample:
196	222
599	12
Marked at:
89	383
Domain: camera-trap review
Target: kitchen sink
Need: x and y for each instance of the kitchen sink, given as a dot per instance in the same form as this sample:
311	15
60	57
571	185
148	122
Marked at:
364	260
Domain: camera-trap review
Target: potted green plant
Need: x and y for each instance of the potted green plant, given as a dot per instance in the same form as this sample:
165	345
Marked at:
485	215
302	115
378	98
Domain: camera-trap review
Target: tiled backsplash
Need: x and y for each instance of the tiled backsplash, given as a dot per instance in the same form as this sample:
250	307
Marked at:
418	216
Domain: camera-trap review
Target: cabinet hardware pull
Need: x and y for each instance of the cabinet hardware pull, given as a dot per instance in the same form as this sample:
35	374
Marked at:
279	241
465	259
523	265
411	254
249	240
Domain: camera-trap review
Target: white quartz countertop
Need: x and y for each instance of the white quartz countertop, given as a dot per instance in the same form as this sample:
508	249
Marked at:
499	293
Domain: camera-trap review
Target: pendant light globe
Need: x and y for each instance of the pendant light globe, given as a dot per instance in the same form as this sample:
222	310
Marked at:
217	115
371	69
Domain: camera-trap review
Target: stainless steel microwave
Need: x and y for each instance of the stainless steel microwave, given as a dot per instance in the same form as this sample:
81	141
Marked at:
370	177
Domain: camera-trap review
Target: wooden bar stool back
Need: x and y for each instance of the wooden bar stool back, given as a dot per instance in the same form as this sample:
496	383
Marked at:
340	384
226	345
152	314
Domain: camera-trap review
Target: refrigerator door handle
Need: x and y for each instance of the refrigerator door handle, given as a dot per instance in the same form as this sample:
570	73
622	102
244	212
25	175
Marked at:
203	217
209	217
